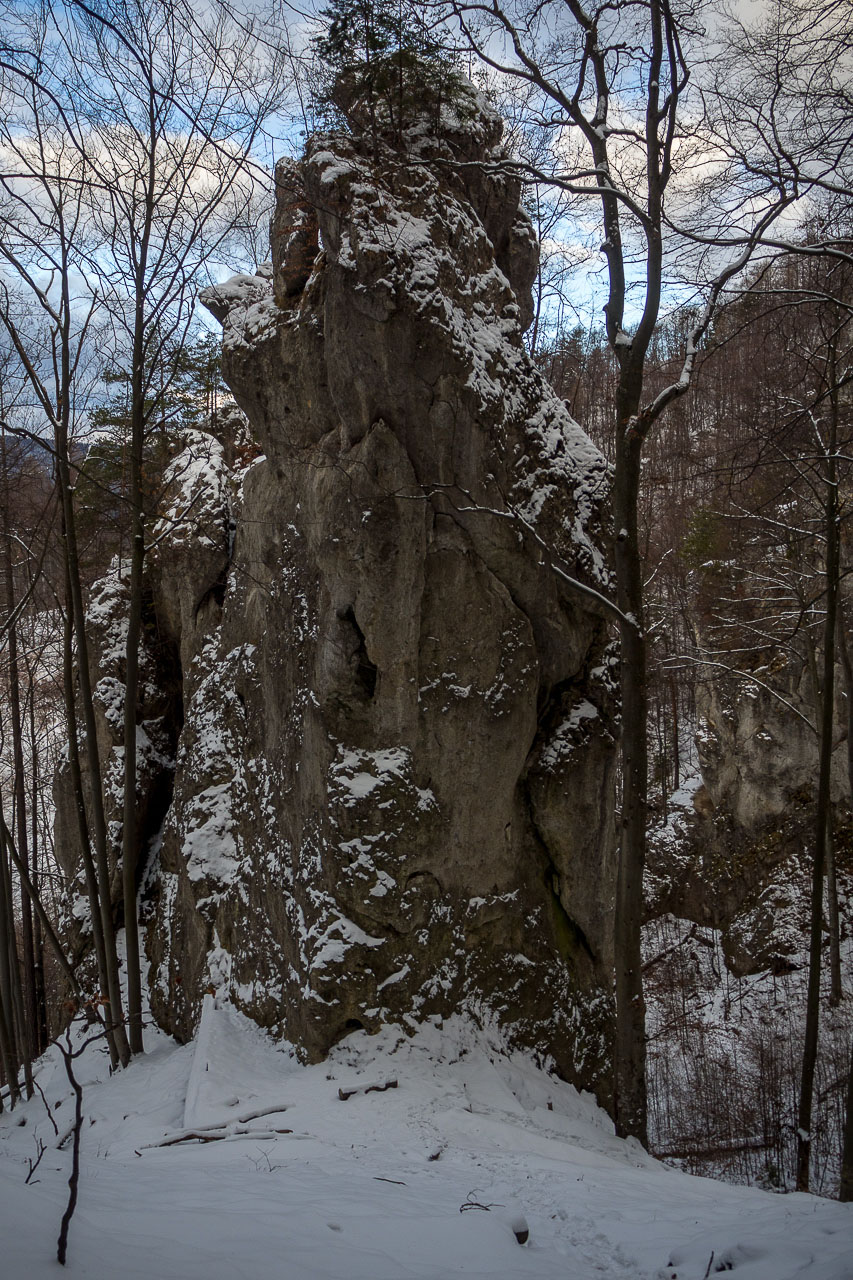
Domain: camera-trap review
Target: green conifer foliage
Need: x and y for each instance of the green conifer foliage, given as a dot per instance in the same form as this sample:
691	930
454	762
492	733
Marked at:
382	68
187	390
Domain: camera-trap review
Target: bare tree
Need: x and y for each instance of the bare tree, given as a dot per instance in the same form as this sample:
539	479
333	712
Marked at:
612	80
132	132
44	241
176	107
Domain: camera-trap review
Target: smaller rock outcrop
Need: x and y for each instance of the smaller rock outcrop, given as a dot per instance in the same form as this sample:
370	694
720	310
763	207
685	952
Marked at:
741	860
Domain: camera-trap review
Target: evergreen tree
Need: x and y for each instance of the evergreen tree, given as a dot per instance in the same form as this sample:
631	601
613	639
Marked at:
186	391
382	66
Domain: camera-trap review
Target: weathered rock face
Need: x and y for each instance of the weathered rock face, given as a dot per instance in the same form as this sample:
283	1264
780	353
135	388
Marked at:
758	749
189	563
392	798
741	861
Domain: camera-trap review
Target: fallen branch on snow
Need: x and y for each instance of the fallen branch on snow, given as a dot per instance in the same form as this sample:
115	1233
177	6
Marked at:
343	1094
219	1134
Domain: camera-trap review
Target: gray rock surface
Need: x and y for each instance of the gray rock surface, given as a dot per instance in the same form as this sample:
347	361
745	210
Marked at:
741	859
393	789
758	750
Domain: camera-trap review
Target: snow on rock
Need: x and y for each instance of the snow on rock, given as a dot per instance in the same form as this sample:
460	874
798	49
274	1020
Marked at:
192	540
156	736
389	798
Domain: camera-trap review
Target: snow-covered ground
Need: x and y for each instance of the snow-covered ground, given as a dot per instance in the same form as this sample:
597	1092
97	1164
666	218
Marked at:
725	1052
300	1184
725	1056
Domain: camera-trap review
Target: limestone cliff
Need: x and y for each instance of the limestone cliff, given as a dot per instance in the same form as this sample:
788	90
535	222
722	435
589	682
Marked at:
740	858
392	787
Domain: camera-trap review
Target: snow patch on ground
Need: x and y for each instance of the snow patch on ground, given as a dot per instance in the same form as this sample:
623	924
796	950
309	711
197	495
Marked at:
422	1180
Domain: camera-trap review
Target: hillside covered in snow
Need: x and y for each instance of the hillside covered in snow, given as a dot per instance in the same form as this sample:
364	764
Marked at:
398	1158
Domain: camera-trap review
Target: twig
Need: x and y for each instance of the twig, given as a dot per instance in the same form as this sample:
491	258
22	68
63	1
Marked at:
475	1204
68	1056
47	1107
40	1148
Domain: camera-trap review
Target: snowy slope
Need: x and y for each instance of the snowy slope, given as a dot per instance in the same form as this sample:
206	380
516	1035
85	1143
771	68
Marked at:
371	1188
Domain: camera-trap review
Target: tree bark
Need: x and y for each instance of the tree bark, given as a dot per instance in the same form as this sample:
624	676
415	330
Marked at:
9	975
80	810
115	1016
845	1191
38	972
130	851
804	1116
836	989
630	1047
29	1029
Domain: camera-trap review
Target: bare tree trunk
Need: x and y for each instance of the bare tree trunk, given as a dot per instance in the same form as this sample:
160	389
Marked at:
845	1191
9	977
38	971
115	1016
10	1068
68	1057
130	836
23	1052
804	1116
18	785
80	808
847	671
630	1046
836	989
832	913
676	748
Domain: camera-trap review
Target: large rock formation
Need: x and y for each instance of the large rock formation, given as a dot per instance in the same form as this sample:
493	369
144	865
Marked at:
392	791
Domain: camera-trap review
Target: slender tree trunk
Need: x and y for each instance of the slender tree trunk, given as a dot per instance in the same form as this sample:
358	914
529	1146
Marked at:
38	972
847	671
804	1117
10	1067
845	1191
29	1029
89	869
24	1055
115	1015
630	1047
130	851
836	990
9	980
832	912
130	835
676	748
73	1182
